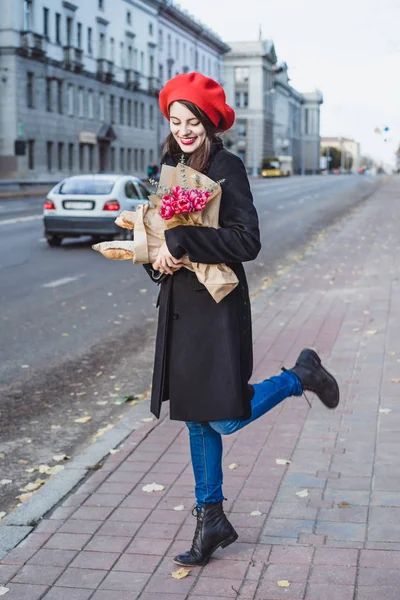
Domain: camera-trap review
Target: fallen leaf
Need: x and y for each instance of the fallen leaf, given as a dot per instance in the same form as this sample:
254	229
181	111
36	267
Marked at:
83	419
102	431
54	470
4	591
344	505
302	493
284	583
65	334
233	466
394	380
179	507
148	419
61	457
55	427
356	329
143	291
113	451
80	394
83	307
180	573
5	481
256	513
33	486
282	461
133	403
102	402
22	461
24	497
24	366
152	487
371	332
2	515
113	376
385	411
2	455
99	373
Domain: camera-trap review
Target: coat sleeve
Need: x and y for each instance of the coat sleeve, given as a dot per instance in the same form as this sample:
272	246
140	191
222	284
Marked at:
238	239
154	275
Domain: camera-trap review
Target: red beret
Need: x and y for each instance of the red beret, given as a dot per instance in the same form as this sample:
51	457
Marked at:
206	93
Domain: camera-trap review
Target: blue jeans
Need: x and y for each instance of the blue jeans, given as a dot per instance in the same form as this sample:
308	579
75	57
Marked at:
206	441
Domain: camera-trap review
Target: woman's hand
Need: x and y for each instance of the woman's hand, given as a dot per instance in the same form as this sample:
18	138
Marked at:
165	262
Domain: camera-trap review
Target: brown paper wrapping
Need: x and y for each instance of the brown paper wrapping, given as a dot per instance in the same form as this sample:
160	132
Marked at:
149	228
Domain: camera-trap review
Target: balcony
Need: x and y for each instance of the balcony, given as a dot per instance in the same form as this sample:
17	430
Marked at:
105	70
154	86
73	59
132	79
33	44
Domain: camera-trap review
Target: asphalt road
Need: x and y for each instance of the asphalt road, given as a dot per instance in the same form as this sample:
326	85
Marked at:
77	330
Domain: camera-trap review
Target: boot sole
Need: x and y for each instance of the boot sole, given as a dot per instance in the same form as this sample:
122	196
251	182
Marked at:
329	376
223	544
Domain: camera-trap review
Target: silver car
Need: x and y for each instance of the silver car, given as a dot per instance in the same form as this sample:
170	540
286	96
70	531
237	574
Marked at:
89	205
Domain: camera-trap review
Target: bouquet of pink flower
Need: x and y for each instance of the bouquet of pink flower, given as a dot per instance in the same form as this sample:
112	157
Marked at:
175	203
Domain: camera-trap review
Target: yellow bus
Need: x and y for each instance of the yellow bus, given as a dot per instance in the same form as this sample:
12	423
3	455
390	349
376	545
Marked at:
277	166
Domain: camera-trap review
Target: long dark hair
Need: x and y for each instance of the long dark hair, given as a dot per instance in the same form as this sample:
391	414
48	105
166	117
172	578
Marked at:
198	160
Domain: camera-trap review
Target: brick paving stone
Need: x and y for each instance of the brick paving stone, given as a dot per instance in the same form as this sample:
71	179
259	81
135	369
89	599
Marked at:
144	546
75	499
114	528
376	592
225	588
49	526
104	500
228	569
152	596
288	555
375	577
277	572
81	578
20	591
107	543
380	559
67	541
292	510
95	560
93	513
62	513
52	558
116	595
288	527
320	591
312	539
7	572
137	563
67	594
248	590
18	556
342	531
356	514
271	591
338	557
80	526
38	575
333	575
125	581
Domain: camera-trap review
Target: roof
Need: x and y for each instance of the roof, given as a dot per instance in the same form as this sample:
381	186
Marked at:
254	48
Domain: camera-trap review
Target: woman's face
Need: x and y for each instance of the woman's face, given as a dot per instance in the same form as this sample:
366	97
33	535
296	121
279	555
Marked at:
186	128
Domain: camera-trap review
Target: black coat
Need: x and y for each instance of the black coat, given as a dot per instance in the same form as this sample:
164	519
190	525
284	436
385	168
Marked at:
204	354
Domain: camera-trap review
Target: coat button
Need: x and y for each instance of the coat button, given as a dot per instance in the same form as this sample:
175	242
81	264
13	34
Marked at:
175	316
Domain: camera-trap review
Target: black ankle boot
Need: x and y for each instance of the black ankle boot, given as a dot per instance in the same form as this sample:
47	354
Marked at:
212	531
315	378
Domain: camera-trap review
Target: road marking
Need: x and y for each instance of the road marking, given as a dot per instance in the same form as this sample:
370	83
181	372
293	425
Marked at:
21	219
63	281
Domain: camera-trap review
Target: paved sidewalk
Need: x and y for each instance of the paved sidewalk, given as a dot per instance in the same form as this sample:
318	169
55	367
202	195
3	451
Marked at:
340	540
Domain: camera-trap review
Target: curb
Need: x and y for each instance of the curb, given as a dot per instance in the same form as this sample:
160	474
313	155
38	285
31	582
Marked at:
22	520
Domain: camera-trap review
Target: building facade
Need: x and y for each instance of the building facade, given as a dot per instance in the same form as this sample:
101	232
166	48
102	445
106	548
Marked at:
79	82
348	148
272	118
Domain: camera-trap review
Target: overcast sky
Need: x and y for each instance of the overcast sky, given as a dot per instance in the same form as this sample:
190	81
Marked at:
348	49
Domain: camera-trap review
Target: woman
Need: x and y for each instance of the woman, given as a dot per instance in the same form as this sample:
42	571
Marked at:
203	359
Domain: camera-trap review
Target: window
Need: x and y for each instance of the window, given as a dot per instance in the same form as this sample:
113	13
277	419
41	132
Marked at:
31	155
102	107
142	160
60	152
102	44
58	29
203	63
122	159
46	23
30	90
242	74
129	161
177	49
129	113
241	129
90	100
184	53
161	73
135	159
121	55
79	35
101	4
81	106
245	99
151	156
169	47
112	49
91	155
112	159
112	109
196	59
135	60
129	17
89	41
151	117
150	28
209	67
49	148
49	106
81	157
160	39
70	157
70	99
121	111
27	15
151	66
69	31
59	97
142	63
142	120
131	191
241	99
135	113
130	57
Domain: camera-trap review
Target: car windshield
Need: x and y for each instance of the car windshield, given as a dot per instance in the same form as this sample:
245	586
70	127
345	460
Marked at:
87	186
271	164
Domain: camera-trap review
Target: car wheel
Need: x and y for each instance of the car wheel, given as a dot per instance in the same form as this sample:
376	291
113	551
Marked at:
53	241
